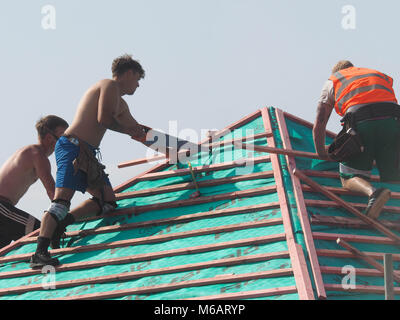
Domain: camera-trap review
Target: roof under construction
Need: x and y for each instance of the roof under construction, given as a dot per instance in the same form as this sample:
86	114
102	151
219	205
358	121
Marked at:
261	226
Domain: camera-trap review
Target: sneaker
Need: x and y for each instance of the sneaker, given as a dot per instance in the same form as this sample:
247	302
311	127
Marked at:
39	260
376	202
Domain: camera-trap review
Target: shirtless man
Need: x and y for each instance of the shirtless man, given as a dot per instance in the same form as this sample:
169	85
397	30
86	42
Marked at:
101	108
20	171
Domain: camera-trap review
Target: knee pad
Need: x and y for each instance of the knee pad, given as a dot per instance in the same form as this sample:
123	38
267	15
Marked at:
59	209
104	207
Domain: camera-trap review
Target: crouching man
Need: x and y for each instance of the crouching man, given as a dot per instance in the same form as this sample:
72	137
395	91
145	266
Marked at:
20	171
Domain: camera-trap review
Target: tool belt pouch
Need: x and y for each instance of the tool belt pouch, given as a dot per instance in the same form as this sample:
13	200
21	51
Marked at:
346	145
87	162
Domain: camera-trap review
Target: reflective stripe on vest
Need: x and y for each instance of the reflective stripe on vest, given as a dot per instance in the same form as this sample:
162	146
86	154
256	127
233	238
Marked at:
345	82
353	93
355	86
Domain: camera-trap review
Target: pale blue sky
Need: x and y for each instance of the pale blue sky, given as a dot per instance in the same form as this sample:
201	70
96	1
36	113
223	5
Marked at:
208	63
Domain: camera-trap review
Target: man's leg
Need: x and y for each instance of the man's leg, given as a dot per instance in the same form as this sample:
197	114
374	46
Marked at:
57	212
103	201
358	184
98	204
377	197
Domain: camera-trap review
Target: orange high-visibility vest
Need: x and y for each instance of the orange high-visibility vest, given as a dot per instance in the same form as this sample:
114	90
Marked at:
354	86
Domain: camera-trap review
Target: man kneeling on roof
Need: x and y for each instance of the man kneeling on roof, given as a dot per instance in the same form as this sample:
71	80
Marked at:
366	101
101	108
20	171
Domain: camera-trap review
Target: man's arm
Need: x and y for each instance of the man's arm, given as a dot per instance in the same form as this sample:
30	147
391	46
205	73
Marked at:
319	130
43	170
113	112
125	118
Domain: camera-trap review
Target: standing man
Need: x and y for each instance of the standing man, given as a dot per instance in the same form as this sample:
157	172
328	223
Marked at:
20	171
366	100
101	108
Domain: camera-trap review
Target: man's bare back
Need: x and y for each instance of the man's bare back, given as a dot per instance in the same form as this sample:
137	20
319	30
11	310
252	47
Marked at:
87	121
19	172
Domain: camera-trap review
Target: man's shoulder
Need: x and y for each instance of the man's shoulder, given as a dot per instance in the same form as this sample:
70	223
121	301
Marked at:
27	156
107	83
34	151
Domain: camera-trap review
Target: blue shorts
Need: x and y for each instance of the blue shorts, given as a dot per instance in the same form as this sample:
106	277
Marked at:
66	152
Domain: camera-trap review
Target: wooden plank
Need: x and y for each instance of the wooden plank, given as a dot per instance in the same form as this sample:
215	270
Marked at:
364	257
237	124
364	272
186	153
342	191
128	276
183	203
359	289
200	169
15	244
307	123
301	208
249	294
378	226
352	238
129	183
156	255
361	206
220	279
353	223
331	174
267	149
303	281
345	254
169	221
144	240
191	185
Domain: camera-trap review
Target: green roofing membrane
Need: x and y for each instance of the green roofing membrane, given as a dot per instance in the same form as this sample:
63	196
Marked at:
174	250
178	237
301	139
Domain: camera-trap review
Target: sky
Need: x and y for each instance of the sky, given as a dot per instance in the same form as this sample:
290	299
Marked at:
208	63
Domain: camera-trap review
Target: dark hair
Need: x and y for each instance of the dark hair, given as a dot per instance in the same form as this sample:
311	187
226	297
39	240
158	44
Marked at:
342	64
48	124
124	63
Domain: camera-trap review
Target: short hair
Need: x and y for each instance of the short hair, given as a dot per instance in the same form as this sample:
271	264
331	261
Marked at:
125	63
342	64
49	124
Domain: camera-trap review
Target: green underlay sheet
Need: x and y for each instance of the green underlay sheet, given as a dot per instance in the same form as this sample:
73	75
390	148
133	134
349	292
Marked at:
174	261
300	139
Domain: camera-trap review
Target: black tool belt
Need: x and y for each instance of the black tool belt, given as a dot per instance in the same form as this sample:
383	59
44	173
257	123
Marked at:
347	144
373	111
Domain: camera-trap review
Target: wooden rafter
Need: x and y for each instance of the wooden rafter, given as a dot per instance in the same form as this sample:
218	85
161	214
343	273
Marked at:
301	207
303	281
